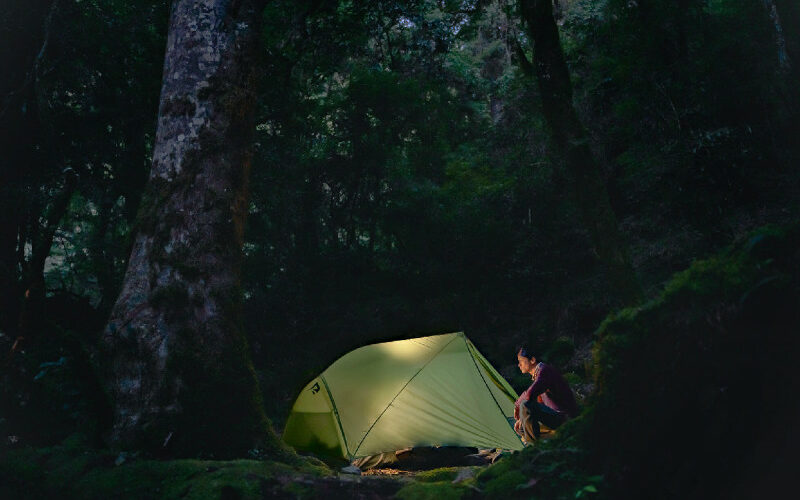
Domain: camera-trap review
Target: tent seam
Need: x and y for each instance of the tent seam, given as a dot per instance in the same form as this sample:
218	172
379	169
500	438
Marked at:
483	363
472	357
401	391
336	413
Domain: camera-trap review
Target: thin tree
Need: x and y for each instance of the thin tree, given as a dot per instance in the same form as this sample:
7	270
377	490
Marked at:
180	377
571	142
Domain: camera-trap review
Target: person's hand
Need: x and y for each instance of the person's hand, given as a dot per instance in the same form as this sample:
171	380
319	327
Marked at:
518	427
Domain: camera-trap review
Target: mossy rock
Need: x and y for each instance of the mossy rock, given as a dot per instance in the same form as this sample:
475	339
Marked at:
65	472
497	469
503	477
687	383
505	485
434	475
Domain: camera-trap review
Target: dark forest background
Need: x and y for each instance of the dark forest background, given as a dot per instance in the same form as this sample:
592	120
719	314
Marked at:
403	184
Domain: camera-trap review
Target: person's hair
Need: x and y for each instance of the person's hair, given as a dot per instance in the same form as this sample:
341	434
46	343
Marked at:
522	350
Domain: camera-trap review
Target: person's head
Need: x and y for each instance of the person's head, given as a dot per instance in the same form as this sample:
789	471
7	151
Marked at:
525	360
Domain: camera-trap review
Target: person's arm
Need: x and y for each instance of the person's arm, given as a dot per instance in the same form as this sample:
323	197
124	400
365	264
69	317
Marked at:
540	385
526	395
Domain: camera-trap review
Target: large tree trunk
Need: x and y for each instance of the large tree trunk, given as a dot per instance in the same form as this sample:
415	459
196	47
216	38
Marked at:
571	141
181	379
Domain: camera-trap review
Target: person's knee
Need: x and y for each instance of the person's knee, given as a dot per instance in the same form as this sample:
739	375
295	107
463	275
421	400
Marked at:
533	409
524	410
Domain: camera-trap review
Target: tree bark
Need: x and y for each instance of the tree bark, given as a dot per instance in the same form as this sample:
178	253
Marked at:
180	375
571	141
780	39
787	14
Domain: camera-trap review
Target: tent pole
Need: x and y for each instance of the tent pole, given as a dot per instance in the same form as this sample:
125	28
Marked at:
338	420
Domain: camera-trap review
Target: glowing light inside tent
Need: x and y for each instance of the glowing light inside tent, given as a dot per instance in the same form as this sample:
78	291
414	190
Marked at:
404	351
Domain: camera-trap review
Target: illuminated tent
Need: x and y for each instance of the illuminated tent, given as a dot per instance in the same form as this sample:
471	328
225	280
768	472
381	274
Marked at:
428	391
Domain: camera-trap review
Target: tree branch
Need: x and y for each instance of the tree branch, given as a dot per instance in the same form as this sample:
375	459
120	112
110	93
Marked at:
524	64
41	247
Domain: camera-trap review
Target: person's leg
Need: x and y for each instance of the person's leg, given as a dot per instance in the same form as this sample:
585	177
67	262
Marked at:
529	425
544	414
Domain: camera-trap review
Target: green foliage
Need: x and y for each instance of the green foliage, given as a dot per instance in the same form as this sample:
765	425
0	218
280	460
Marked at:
49	392
656	86
88	95
560	352
589	488
573	378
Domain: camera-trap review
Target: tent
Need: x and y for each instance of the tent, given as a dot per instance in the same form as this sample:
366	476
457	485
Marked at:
428	391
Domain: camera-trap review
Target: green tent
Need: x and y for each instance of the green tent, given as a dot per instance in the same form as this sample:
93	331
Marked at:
428	391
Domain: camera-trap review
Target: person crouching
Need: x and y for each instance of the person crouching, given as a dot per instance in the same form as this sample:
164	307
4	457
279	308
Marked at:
549	399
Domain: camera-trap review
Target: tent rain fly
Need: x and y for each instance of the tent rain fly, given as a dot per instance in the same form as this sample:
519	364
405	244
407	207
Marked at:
428	391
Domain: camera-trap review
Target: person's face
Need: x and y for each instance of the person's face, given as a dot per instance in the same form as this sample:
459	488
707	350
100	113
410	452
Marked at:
525	364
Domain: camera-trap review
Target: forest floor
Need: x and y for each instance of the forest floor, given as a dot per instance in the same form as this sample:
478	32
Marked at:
69	471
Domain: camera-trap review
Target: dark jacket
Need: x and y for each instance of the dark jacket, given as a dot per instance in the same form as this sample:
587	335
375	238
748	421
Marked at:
554	389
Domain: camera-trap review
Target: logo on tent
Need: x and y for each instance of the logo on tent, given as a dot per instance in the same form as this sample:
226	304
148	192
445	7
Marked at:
315	388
